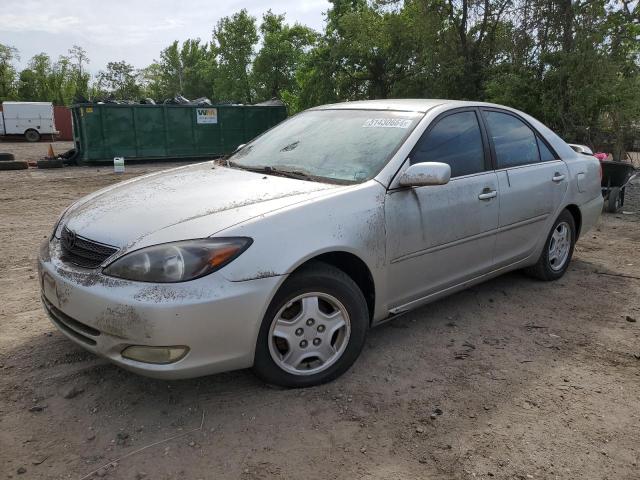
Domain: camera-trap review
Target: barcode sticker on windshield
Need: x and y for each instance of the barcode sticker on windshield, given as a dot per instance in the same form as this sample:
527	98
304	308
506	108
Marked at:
387	123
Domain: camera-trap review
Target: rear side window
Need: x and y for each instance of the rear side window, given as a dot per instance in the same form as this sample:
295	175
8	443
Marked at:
514	142
455	140
546	155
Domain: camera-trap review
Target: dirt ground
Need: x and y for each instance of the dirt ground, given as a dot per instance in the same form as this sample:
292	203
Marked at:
31	152
512	379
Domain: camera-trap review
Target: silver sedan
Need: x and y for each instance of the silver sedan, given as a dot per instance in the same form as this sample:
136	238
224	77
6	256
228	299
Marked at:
283	256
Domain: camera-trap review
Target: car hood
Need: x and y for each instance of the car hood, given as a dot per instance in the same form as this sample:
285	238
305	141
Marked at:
188	202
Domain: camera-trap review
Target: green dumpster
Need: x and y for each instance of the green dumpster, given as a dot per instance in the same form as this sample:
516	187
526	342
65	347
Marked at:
151	132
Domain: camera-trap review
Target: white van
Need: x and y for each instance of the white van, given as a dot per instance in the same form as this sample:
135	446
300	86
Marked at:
31	119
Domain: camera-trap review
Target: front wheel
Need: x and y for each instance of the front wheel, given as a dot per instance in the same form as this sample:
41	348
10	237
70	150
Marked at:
558	249
314	328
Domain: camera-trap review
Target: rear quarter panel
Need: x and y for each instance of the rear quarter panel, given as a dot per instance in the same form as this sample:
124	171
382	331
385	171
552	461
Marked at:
584	188
584	177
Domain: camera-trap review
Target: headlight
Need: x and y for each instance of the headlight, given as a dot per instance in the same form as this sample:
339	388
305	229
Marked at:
178	261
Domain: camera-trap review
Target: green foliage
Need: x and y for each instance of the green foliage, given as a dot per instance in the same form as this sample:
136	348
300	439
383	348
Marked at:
573	64
119	81
283	49
185	70
234	41
58	82
7	72
80	78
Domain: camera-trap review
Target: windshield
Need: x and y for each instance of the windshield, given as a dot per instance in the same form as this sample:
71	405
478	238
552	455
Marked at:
346	146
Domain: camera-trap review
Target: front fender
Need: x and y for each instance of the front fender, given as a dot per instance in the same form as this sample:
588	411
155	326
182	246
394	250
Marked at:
350	220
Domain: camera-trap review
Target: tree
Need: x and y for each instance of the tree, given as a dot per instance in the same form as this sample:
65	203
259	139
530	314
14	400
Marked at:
119	80
234	40
187	69
573	64
27	85
62	81
283	49
7	71
47	81
152	82
38	81
368	51
79	58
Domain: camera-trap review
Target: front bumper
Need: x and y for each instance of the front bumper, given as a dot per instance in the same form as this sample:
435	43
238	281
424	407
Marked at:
217	319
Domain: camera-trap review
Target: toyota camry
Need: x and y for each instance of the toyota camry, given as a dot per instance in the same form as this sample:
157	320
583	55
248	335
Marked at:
284	255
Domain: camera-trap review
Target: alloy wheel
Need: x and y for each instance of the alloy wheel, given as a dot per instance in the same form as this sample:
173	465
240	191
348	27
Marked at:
309	333
559	246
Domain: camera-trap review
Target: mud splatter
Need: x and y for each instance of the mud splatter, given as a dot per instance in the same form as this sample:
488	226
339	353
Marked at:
259	275
124	321
171	294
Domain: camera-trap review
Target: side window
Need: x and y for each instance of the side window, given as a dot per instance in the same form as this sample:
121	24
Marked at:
456	140
514	142
546	155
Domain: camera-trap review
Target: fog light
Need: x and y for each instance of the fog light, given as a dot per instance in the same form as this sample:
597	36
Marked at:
160	355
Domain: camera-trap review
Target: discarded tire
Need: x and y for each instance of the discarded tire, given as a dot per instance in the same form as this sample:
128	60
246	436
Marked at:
5	157
55	163
13	165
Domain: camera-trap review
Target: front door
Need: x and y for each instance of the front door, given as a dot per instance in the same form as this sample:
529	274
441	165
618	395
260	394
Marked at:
440	236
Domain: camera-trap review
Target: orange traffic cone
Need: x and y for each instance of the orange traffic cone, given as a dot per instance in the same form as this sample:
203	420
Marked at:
50	153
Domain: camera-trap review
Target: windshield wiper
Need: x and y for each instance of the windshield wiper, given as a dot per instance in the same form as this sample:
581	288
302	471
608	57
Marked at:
294	173
279	171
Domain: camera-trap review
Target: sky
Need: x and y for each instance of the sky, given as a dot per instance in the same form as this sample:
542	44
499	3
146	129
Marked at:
134	30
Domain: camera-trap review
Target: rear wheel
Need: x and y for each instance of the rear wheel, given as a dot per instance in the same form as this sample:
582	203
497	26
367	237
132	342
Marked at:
314	328
32	135
558	249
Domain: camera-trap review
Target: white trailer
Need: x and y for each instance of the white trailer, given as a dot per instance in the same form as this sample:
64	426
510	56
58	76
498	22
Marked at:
28	119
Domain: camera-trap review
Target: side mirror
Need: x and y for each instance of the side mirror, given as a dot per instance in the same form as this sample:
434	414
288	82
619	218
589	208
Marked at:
426	173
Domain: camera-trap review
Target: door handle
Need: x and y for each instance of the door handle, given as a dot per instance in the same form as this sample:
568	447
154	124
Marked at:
487	194
557	177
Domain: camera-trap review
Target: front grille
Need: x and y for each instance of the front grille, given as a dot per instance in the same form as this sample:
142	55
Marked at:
71	327
82	251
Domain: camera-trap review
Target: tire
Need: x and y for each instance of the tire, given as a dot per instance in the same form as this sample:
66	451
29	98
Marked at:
326	291
55	163
615	200
32	135
6	157
545	269
14	165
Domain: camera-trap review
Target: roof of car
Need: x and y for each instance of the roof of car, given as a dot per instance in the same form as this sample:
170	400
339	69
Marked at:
422	105
405	104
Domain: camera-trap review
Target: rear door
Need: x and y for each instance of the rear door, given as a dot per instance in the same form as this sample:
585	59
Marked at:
532	183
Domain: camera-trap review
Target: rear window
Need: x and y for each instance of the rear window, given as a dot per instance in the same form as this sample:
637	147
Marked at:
546	155
514	142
